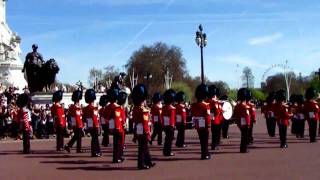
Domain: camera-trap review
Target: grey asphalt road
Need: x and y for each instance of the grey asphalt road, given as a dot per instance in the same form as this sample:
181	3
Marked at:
264	161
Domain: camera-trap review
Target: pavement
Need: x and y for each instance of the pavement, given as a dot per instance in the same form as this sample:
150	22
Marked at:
264	161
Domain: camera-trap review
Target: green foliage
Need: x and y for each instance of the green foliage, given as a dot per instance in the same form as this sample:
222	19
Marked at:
181	86
258	94
232	94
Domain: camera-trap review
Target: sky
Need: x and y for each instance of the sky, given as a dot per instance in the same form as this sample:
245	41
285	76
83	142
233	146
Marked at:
82	34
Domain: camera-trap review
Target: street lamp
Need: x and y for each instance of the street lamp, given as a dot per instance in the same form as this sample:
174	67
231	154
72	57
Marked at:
201	40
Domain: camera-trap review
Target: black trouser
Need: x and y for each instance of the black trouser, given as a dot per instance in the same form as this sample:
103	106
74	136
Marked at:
95	146
50	128
244	138
250	133
300	128
294	126
271	126
77	136
157	131
180	136
14	129
117	146
144	157
312	129
169	130
204	138
59	137
26	141
225	128
283	134
216	134
105	138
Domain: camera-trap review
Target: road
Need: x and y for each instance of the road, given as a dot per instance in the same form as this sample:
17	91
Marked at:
264	161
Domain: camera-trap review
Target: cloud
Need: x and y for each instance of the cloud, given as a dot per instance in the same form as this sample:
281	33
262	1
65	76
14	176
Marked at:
265	39
119	2
242	60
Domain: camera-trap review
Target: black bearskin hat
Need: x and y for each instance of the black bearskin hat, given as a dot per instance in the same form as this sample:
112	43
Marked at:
311	93
202	92
181	97
213	91
156	98
139	94
103	100
57	96
169	96
242	94
281	95
90	96
76	96
122	98
22	100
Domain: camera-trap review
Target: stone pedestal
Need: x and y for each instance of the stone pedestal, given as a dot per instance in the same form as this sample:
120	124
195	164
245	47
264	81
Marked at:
10	53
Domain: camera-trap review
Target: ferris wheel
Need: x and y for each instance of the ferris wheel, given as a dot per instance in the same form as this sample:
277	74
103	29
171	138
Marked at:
286	69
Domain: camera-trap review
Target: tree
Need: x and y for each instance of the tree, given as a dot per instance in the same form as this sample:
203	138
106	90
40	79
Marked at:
156	60
181	86
95	76
247	78
223	86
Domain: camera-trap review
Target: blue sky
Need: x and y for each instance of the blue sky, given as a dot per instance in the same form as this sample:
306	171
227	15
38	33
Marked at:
82	34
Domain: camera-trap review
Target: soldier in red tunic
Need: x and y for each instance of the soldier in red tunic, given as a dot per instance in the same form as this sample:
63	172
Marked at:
269	113
252	111
283	116
140	118
169	118
58	115
114	118
120	123
300	113
215	115
312	113
242	118
181	118
24	115
90	116
103	102
75	115
201	117
156	115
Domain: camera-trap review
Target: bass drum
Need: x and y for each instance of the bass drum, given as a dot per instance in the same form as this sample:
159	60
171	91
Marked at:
227	110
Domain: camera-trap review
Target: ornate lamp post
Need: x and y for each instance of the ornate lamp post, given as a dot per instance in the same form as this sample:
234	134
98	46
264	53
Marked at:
201	40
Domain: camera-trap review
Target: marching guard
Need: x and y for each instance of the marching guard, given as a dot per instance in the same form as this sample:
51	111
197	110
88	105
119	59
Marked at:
115	120
75	115
169	117
58	115
312	113
103	102
24	116
156	116
122	99
215	115
90	116
242	118
252	111
283	116
269	112
201	116
181	119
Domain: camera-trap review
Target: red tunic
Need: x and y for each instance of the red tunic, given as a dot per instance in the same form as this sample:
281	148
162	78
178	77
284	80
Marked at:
269	110
311	110
108	110
24	116
253	113
102	112
57	113
75	114
201	115
156	113
242	115
282	114
181	114
140	116
300	112
119	119
215	112
90	115
169	115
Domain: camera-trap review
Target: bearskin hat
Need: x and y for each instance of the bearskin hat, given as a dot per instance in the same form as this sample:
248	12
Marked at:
180	97
76	96
202	92
169	96
22	100
90	96
213	91
139	94
57	96
311	93
156	98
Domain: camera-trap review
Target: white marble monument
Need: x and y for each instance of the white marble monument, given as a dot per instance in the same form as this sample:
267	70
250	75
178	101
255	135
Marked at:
10	52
